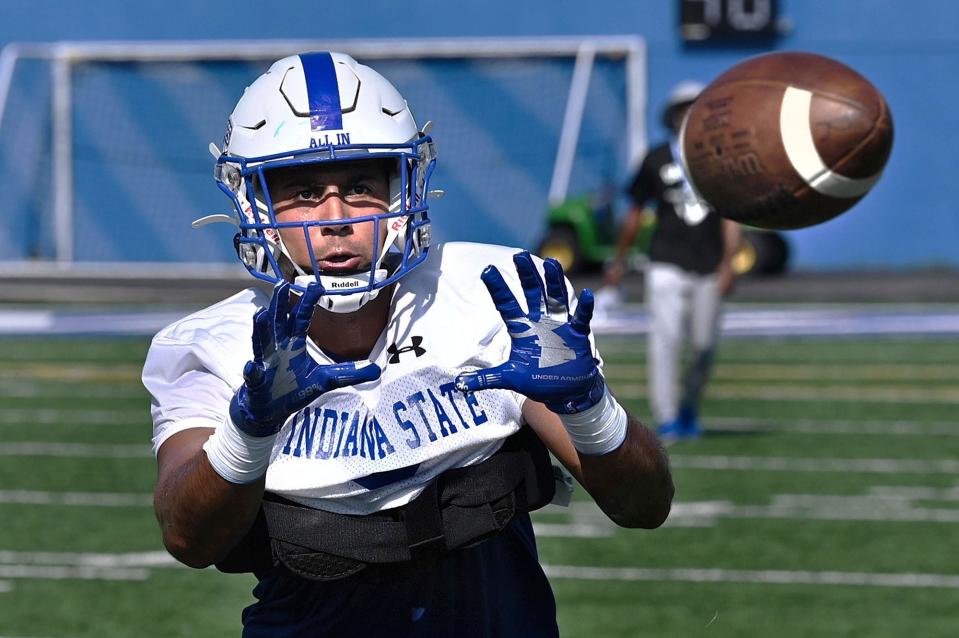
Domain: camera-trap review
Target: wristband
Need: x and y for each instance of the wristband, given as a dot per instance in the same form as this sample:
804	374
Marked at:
237	456
597	430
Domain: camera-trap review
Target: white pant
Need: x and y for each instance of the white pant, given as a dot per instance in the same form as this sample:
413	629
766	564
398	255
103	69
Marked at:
681	306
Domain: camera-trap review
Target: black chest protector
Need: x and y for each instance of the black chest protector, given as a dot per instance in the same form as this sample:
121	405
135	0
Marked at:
459	508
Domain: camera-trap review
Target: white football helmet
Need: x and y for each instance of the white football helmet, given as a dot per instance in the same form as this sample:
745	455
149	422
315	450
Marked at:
316	108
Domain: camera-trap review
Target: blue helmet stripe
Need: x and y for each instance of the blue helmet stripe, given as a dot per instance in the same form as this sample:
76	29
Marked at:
323	91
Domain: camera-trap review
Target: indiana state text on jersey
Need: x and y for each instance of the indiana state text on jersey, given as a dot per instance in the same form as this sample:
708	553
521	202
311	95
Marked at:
423	417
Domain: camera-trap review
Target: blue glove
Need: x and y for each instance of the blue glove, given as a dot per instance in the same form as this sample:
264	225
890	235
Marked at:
551	359
282	378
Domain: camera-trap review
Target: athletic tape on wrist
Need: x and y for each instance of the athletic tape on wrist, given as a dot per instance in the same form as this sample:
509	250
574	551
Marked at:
598	430
236	456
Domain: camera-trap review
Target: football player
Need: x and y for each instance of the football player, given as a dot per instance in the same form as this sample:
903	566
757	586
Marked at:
367	436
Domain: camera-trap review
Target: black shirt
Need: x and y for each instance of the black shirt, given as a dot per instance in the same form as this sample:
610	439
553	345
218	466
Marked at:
694	244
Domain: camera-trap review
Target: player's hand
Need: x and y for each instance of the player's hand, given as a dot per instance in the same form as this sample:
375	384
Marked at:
614	273
551	359
282	378
726	278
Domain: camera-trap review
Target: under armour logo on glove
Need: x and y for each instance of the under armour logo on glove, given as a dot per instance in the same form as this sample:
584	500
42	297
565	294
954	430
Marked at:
395	352
551	358
282	378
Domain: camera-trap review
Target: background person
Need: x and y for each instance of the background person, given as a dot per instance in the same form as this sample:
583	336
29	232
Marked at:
688	273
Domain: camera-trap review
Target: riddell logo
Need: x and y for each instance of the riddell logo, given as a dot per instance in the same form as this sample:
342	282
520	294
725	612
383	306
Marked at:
344	284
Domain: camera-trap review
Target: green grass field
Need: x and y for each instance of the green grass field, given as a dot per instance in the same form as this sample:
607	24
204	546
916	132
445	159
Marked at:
824	501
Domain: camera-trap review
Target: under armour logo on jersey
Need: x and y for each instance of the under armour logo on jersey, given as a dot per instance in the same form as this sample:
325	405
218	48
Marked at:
415	349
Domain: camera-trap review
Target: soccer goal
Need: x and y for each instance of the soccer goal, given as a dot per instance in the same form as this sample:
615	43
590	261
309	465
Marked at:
103	145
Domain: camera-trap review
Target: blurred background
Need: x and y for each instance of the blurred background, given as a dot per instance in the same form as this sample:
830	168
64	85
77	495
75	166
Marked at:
107	114
822	500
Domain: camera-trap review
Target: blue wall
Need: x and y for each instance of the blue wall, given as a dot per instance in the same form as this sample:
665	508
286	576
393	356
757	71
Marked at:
910	51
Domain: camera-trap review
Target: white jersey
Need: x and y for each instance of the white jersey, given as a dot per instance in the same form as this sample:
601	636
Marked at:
372	446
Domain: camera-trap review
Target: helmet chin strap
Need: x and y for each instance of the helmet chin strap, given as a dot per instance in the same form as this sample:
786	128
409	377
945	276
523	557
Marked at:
344	303
354	301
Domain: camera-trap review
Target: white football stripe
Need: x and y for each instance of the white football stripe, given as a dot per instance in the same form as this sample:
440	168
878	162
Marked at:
801	149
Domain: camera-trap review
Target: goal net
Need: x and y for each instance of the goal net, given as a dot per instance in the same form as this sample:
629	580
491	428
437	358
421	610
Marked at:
103	146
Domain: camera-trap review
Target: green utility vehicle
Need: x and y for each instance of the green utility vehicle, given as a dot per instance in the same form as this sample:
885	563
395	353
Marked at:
581	234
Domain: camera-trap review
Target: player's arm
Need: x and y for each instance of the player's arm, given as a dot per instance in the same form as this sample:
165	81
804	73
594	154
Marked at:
732	240
639	192
551	362
632	484
201	514
627	235
211	482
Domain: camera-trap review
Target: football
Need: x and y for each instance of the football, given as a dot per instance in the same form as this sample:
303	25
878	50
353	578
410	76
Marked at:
786	140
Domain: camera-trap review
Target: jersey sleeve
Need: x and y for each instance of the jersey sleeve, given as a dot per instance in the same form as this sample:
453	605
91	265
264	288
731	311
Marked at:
195	366
187	388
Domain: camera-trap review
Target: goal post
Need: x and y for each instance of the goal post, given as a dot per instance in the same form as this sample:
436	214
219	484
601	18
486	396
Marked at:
102	144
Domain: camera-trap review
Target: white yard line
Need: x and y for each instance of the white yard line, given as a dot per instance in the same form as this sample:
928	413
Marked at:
916	493
778	577
82	499
81	450
816	393
778	372
786	464
824	426
837	321
82	572
90	559
73	416
574	530
879	504
132	566
837	512
56	390
72	371
806	507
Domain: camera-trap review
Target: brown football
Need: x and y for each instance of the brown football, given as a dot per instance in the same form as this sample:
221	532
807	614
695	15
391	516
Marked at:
786	140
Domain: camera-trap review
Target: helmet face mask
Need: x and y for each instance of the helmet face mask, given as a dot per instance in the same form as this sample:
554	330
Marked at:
282	124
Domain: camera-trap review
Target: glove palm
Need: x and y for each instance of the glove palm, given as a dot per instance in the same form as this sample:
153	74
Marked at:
551	358
282	378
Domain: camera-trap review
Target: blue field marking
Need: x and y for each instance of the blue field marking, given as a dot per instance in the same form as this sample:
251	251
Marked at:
630	319
103	322
843	321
